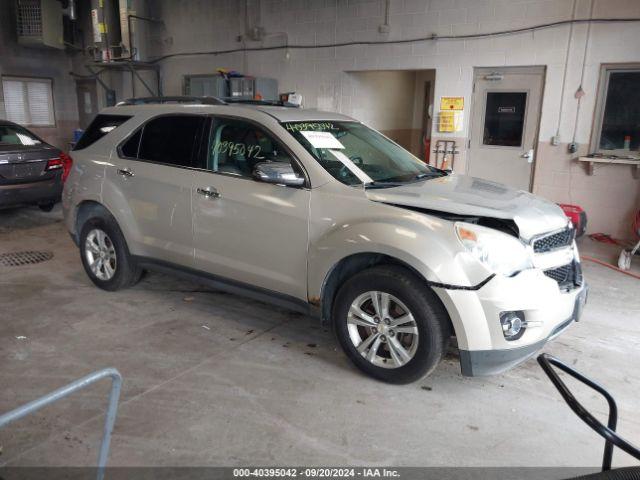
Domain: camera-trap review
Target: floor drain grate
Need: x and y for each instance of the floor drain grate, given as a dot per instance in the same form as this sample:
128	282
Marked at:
18	259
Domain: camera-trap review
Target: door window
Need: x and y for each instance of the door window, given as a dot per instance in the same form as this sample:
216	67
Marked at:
504	118
130	148
171	139
236	147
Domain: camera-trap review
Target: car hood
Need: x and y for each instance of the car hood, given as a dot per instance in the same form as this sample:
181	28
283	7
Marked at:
465	195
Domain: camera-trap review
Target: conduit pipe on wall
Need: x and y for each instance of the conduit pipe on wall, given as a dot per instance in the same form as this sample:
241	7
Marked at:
556	139
573	147
400	41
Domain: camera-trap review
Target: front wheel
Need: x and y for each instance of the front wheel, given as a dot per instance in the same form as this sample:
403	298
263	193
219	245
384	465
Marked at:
390	324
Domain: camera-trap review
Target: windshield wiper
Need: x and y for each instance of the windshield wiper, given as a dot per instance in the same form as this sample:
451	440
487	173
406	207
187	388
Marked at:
381	184
437	174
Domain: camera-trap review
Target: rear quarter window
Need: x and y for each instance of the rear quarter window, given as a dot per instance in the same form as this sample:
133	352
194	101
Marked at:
102	125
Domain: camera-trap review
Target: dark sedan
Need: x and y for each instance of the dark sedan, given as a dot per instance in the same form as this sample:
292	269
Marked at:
31	171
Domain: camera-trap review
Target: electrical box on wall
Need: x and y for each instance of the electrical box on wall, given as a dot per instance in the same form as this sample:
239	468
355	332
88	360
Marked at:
266	88
241	88
39	23
206	86
235	88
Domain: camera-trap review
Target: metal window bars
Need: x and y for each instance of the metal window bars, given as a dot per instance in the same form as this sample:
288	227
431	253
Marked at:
547	362
112	408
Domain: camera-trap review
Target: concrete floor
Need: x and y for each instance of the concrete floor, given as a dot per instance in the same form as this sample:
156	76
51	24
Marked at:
215	379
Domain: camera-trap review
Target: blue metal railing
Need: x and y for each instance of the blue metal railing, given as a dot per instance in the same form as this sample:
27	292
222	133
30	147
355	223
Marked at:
112	408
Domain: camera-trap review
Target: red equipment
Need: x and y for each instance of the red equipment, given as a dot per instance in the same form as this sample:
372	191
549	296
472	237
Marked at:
577	215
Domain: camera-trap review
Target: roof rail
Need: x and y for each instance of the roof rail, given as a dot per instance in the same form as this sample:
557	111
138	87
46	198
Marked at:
175	99
267	103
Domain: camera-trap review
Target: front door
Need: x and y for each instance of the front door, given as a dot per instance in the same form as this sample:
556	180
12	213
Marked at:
244	229
504	125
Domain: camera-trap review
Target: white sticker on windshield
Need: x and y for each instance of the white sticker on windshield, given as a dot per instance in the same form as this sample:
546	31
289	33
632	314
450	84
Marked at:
322	140
353	168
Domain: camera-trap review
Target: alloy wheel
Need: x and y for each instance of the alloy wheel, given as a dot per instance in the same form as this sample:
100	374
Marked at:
382	329
100	254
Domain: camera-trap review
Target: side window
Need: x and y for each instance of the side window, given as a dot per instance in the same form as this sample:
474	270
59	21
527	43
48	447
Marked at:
235	147
171	139
130	148
100	126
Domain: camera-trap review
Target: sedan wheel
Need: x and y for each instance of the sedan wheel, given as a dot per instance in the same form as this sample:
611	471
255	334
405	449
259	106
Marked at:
382	329
100	254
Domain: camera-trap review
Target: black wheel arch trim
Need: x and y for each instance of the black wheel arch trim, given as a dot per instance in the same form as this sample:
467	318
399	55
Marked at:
448	286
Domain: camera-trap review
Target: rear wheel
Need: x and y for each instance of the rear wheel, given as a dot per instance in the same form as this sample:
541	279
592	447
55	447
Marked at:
105	255
390	324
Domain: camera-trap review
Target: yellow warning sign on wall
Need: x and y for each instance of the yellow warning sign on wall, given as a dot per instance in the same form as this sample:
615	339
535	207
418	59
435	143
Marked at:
449	121
451	103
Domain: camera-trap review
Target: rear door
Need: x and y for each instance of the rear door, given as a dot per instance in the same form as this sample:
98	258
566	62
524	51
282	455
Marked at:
152	175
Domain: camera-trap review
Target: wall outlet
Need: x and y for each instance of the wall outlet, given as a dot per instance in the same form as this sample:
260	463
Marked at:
384	28
555	140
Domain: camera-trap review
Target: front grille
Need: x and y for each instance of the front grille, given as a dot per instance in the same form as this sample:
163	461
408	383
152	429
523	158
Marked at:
568	276
554	241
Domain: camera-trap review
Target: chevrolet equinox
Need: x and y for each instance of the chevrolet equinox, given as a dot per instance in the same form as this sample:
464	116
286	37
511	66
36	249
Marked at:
319	213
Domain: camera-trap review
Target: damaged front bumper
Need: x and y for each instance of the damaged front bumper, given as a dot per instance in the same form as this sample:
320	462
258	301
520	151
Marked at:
491	362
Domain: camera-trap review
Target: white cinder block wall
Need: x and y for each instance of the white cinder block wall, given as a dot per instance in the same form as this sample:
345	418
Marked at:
610	196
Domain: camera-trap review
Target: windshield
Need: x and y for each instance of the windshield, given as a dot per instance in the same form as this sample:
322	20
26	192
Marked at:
15	135
355	154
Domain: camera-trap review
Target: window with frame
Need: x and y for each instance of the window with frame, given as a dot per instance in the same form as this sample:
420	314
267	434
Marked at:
130	148
236	147
617	126
28	101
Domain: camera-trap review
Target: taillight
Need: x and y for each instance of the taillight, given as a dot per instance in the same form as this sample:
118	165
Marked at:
64	162
66	165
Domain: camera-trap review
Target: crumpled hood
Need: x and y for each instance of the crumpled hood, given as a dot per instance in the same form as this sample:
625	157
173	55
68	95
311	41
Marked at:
465	195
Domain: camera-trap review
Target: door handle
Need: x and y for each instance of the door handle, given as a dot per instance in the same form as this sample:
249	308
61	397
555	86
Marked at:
528	155
209	192
125	172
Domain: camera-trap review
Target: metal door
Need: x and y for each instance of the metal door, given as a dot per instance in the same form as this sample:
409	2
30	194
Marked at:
87	101
504	125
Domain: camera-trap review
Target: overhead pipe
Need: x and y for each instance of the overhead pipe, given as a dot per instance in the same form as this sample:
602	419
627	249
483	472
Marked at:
70	9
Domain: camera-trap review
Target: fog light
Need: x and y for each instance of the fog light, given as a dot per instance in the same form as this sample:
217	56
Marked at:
513	324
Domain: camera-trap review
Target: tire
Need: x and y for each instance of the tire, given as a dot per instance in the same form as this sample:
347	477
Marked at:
46	207
118	269
428	325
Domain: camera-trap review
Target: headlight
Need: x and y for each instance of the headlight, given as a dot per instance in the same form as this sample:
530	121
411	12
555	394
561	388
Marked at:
499	252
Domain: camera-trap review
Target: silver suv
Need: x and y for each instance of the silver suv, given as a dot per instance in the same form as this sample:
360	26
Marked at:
317	212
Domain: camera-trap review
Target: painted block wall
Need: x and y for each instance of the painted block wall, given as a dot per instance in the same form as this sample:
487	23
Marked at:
610	196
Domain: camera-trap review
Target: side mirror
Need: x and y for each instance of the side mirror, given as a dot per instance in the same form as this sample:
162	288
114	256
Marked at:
280	173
